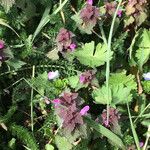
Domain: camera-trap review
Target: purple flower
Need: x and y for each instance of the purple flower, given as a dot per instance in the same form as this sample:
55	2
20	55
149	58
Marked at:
90	2
53	75
72	46
64	39
68	98
87	76
84	110
82	79
114	116
1	44
89	14
146	76
141	144
119	13
110	7
56	102
69	112
2	51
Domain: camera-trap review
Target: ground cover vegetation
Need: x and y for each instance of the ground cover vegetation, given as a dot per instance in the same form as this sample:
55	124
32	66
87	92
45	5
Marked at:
74	74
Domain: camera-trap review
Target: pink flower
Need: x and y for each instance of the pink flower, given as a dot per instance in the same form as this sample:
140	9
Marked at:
1	44
72	46
82	79
84	110
56	102
53	75
87	77
119	13
141	144
90	2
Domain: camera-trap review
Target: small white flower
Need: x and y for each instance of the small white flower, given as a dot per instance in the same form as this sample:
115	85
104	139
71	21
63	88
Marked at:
53	75
146	76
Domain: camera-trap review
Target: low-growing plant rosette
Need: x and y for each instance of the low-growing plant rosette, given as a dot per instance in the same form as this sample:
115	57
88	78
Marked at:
68	109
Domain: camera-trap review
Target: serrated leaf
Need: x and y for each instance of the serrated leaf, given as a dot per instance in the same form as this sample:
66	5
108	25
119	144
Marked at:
62	143
101	96
87	57
143	52
120	89
121	94
15	64
122	78
7	4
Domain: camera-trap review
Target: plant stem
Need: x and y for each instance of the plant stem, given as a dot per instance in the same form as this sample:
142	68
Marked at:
108	57
133	129
142	113
147	138
60	7
32	123
40	66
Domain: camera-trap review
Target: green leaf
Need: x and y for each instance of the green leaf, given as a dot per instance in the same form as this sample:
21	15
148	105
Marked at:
136	139
62	143
53	54
120	89
87	57
25	136
15	64
121	94
141	18
101	96
133	43
143	51
146	86
44	20
7	4
106	132
73	81
85	28
4	23
122	78
129	21
49	147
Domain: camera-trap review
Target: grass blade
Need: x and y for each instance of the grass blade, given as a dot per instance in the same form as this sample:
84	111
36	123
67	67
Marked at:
104	131
133	129
4	23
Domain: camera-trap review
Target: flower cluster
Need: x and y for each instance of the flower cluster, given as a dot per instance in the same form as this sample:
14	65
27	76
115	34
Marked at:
89	15
110	7
90	2
136	11
87	77
114	116
65	40
67	109
1	50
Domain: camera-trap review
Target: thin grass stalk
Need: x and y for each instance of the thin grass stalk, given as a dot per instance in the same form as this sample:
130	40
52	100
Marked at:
32	117
133	129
